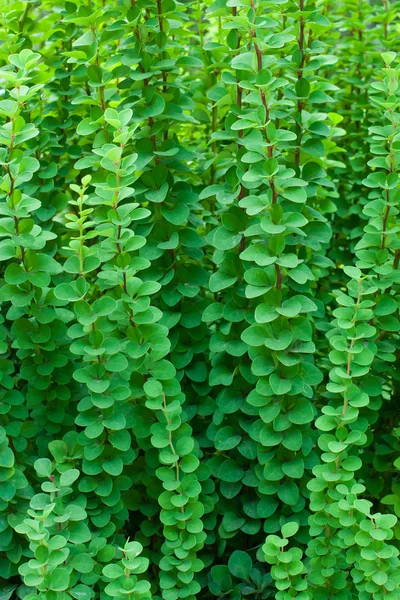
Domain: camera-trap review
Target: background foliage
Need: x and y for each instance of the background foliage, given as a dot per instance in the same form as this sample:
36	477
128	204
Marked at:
199	246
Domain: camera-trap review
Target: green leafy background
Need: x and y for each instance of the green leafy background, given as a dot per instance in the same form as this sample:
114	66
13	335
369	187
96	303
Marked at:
199	299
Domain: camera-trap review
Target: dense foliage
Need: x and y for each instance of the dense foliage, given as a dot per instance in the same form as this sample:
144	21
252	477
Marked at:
199	291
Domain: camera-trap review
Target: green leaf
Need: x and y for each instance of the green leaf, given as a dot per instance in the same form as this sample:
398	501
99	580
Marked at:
289	529
226	438
84	40
301	413
68	477
240	564
43	467
297	195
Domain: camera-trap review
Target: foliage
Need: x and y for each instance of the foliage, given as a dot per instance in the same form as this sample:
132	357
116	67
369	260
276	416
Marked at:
199	252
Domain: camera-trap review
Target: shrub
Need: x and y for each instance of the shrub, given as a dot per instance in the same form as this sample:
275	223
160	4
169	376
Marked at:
199	300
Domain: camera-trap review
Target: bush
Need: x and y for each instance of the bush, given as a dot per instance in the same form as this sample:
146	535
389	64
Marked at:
200	242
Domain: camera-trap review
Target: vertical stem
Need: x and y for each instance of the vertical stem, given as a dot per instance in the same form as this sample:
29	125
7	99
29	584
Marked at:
102	100
299	76
278	283
385	23
199	27
214	123
81	235
385	219
301	40
159	10
239	89
23	18
396	260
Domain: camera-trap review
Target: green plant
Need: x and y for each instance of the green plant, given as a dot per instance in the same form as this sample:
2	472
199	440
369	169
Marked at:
199	282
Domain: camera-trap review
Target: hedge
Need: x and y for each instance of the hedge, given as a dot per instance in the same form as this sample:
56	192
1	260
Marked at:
199	290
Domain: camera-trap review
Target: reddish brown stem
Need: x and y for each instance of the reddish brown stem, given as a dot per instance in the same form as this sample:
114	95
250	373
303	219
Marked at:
102	100
274	192
301	40
159	9
396	259
299	76
259	56
278	277
385	220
